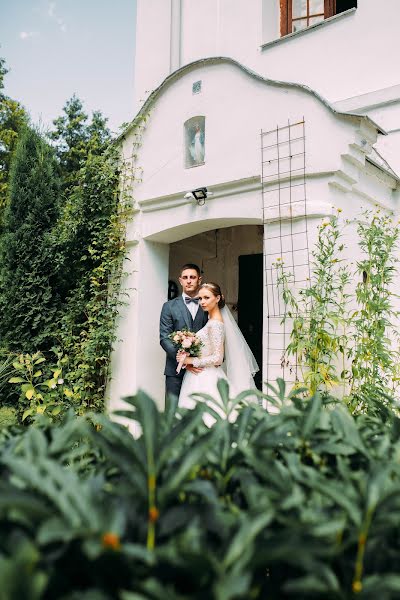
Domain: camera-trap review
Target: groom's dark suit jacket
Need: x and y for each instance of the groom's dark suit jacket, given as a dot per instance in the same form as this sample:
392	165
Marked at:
176	316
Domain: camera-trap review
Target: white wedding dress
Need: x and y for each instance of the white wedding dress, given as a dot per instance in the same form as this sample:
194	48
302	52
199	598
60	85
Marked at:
219	339
212	354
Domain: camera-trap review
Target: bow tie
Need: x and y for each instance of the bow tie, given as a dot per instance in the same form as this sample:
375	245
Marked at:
188	300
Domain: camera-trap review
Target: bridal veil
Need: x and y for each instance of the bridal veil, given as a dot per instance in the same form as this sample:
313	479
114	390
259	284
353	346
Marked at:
240	364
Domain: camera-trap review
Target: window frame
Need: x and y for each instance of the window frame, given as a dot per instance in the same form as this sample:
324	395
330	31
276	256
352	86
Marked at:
286	14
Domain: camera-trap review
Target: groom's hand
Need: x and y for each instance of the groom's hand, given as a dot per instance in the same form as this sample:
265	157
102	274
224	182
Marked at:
193	369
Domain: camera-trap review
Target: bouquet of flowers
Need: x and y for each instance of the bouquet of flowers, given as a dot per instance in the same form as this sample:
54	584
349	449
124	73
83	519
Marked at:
188	342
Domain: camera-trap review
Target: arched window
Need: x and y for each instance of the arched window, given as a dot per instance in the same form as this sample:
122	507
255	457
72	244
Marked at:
194	132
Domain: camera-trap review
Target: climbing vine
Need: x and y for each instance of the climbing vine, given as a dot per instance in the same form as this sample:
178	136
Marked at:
318	312
342	334
97	212
374	351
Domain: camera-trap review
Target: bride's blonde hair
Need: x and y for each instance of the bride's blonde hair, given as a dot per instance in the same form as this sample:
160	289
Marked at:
216	290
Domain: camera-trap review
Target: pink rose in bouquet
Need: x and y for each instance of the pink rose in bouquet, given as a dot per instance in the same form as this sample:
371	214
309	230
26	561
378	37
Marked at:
188	342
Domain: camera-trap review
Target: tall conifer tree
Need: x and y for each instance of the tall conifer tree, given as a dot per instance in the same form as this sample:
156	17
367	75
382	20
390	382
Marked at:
28	296
76	138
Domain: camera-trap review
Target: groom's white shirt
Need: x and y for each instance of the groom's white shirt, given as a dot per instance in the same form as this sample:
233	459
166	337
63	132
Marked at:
193	307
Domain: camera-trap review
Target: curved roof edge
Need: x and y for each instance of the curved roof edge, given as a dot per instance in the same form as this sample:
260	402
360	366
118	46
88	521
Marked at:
224	59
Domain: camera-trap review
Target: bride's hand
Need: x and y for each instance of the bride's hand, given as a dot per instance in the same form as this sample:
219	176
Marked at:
180	354
194	370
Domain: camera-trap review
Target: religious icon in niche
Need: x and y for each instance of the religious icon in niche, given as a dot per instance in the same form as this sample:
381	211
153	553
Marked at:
195	141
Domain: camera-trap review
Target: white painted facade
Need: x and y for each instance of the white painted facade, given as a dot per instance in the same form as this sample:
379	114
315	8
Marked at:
332	74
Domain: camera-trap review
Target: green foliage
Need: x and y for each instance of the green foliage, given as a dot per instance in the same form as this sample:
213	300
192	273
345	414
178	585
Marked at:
8	416
62	252
13	119
332	342
75	139
90	243
29	299
6	368
375	359
42	386
301	503
87	246
319	312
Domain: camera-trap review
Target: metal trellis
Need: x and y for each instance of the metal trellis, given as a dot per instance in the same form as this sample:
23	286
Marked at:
284	196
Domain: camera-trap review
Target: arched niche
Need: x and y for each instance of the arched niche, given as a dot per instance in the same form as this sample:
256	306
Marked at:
194	141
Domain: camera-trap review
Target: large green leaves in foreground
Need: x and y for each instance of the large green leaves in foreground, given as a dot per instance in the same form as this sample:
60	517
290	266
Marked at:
302	502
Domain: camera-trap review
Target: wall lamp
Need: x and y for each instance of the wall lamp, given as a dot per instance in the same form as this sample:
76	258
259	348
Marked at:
200	195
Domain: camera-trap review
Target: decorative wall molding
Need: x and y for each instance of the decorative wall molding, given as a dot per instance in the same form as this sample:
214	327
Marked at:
298	211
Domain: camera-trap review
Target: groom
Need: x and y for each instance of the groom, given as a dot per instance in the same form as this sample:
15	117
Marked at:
180	313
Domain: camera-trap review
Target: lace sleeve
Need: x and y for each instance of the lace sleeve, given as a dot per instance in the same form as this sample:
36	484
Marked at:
214	347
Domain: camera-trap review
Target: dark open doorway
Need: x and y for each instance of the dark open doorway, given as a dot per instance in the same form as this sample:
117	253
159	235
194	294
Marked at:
250	306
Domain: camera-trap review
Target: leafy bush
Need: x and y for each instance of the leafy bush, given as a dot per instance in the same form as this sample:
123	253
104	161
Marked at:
63	212
29	298
76	137
300	503
318	313
375	356
90	241
343	324
8	416
13	119
60	295
42	386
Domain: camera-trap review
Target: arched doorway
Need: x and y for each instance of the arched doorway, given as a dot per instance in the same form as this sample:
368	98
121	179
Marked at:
232	257
217	245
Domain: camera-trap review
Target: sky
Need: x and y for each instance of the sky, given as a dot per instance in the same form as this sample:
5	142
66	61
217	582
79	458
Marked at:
54	49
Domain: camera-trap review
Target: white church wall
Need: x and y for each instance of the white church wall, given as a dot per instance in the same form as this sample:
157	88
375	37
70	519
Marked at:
234	114
153	46
123	381
200	30
389	148
383	106
212	28
138	358
235	107
325	58
216	28
178	222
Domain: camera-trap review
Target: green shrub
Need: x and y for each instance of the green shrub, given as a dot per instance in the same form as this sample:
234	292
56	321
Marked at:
374	349
29	299
42	387
62	246
8	416
318	313
343	324
90	243
301	503
13	119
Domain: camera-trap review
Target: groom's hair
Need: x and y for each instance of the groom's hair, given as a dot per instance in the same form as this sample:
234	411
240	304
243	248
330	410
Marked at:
191	266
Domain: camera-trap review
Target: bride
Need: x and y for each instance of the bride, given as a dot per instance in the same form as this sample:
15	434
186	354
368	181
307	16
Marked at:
224	355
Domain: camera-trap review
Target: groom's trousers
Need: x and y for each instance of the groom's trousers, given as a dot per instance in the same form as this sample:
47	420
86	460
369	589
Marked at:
173	384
